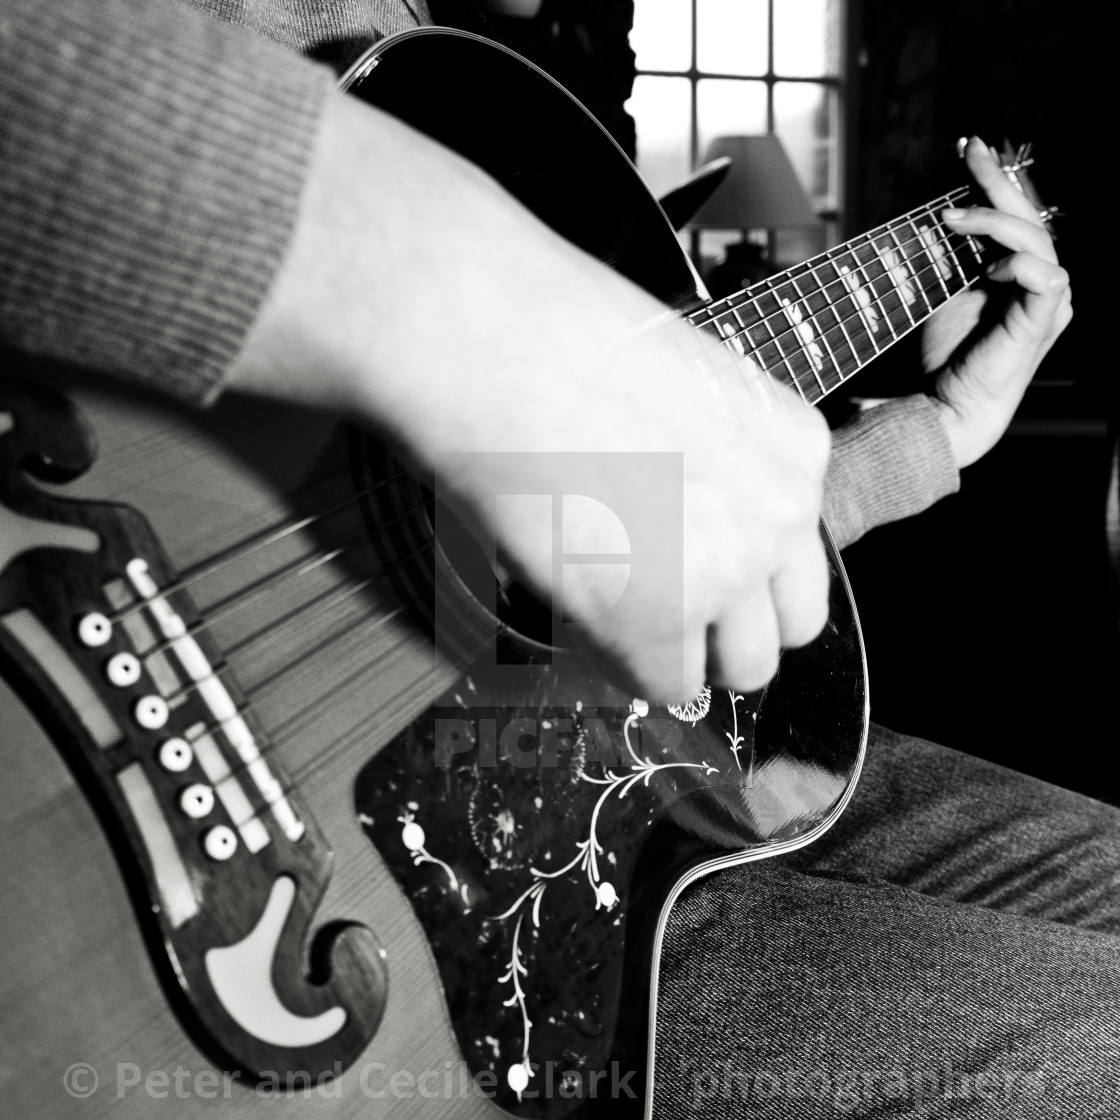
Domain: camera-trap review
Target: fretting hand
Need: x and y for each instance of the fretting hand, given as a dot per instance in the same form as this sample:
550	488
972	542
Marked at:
985	345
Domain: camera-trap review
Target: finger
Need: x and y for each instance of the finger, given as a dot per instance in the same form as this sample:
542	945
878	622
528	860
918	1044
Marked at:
1036	276
1046	293
1010	231
800	594
668	669
1002	193
743	648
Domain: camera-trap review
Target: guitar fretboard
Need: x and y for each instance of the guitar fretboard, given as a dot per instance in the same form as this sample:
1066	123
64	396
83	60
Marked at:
814	326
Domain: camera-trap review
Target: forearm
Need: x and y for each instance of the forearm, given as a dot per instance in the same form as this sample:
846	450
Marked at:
890	462
151	165
418	296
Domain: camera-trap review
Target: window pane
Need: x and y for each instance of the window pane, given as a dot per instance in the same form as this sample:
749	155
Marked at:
662	116
731	36
807	38
729	108
662	34
805	119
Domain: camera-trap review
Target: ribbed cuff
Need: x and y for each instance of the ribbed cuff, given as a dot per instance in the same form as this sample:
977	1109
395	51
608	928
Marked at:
892	461
151	164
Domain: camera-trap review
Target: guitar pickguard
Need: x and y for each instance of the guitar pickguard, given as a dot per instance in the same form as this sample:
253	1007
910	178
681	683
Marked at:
538	839
225	865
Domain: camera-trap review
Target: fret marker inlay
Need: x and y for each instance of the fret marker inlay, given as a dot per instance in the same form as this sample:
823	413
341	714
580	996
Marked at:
936	251
859	294
804	332
899	274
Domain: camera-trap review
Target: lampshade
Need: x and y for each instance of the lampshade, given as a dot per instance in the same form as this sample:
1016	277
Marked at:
685	199
761	191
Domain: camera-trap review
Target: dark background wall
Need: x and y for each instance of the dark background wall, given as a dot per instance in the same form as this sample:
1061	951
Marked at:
991	621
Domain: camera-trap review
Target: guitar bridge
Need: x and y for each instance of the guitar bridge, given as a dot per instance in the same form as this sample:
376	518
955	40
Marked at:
225	866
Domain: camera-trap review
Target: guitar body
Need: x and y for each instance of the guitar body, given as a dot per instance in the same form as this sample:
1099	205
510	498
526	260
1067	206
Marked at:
428	879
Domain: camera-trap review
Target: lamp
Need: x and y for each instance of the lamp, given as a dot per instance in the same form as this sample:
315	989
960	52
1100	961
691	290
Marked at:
760	192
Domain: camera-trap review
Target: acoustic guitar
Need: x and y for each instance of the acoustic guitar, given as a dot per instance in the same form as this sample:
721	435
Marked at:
307	811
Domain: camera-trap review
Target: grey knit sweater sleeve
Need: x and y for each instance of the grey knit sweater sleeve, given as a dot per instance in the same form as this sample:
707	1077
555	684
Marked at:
892	461
151	163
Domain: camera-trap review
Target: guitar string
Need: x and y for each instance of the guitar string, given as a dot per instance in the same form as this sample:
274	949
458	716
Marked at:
270	634
255	544
773	286
300	774
287	730
803	378
797	365
927	210
284	732
274	536
712	311
291	727
927	282
934	287
812	384
304	567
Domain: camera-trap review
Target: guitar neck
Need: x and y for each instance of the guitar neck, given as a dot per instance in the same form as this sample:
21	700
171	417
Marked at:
812	327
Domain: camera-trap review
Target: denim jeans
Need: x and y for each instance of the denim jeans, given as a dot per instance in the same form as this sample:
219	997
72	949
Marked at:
950	948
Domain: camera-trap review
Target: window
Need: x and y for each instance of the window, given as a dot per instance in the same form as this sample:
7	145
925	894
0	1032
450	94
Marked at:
708	68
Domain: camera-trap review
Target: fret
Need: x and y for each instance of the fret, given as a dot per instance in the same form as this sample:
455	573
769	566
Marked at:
877	310
895	272
865	269
741	330
954	256
753	337
977	251
908	260
935	253
833	305
744	332
775	323
792	329
733	332
815	325
809	330
860	303
761	349
724	380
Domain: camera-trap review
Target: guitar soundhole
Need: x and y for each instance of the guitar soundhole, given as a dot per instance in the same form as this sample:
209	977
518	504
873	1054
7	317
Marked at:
463	593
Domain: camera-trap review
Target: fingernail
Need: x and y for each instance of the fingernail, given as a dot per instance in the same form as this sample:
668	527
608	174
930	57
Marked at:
953	215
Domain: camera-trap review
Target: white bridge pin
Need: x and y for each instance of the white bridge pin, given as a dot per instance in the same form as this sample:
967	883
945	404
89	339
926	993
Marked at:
151	712
122	670
94	629
196	800
175	755
220	842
